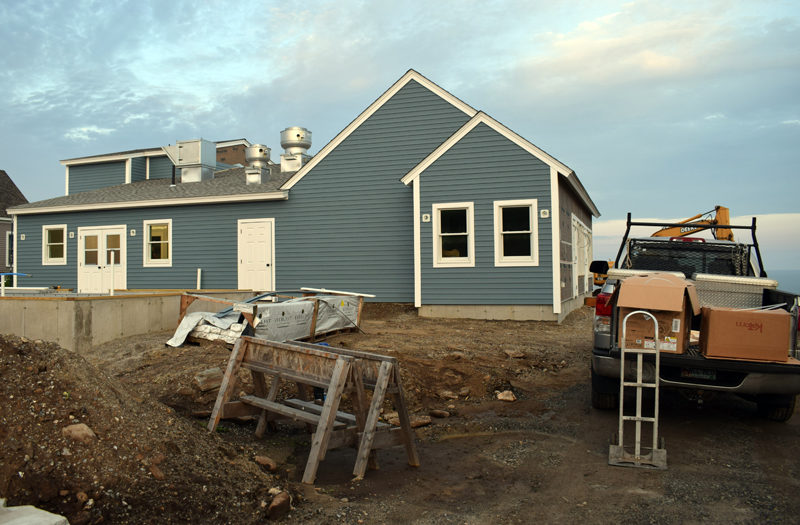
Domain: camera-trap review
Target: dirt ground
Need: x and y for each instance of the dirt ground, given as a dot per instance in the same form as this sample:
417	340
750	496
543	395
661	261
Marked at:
543	457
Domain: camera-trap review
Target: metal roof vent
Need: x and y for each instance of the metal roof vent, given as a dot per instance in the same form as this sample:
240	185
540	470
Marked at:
257	156
295	141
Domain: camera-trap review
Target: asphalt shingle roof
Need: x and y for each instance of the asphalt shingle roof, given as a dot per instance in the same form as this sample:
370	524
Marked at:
225	183
9	194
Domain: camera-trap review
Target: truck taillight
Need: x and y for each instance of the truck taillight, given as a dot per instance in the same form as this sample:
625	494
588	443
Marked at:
602	305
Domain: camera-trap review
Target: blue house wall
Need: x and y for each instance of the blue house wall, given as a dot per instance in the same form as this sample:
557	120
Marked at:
481	168
348	224
160	167
138	169
87	177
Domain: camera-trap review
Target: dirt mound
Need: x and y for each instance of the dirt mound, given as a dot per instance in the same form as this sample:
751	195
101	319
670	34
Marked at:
146	464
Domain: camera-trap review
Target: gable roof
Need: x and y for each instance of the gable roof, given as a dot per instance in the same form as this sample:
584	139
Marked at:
226	186
9	194
482	118
375	106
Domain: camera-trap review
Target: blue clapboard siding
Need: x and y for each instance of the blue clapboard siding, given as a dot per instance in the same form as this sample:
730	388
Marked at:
89	177
347	224
481	168
352	224
160	167
138	169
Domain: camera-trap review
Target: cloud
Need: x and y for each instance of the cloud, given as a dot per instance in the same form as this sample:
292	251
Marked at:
87	133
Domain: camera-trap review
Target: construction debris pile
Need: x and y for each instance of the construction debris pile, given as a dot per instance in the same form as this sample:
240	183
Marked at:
77	443
273	316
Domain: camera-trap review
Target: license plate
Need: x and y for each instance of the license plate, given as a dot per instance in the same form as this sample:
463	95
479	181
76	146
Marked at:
697	373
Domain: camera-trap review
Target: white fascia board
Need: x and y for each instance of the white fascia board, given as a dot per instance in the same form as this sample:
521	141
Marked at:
213	199
16	252
111	158
375	106
503	130
555	234
483	118
417	247
575	182
237	142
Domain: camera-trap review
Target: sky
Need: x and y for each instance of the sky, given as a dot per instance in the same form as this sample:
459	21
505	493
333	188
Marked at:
663	109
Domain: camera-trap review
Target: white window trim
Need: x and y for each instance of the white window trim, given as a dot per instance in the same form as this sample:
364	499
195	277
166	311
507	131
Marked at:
159	263
9	247
46	261
454	262
499	258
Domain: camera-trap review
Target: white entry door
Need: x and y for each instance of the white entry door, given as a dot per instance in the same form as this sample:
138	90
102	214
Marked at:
102	259
256	256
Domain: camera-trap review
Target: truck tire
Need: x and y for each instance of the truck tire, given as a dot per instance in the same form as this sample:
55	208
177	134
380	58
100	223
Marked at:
776	407
605	392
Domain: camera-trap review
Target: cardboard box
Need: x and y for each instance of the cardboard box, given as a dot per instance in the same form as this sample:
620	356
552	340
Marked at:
672	300
750	335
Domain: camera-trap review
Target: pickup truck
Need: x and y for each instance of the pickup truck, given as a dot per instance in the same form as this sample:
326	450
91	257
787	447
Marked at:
773	386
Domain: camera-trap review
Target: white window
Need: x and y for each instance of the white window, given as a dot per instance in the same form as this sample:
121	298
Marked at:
54	244
157	242
9	249
453	235
516	237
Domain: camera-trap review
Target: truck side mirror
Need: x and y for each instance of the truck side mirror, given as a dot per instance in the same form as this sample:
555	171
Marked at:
600	267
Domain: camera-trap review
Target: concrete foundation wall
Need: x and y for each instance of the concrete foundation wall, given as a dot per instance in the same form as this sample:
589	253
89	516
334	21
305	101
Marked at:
511	312
78	323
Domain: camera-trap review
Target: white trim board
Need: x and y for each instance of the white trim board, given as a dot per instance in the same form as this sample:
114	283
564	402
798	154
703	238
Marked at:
555	234
483	118
417	247
212	199
375	106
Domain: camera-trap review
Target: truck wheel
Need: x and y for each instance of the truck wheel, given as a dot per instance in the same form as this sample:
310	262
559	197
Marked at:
605	392
776	407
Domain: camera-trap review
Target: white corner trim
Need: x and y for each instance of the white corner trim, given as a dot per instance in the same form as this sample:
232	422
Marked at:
417	247
213	199
453	262
160	263
499	259
147	169
555	216
66	181
16	252
375	106
128	171
483	118
46	260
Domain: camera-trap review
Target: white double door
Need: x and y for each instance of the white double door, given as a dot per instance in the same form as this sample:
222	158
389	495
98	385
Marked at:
256	255
102	258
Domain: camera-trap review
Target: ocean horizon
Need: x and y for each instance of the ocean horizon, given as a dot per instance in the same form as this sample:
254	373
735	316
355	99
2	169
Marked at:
788	280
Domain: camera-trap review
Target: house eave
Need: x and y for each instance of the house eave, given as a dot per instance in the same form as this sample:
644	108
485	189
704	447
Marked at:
214	199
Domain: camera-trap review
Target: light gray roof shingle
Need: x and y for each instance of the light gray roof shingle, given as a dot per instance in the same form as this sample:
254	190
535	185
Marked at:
225	183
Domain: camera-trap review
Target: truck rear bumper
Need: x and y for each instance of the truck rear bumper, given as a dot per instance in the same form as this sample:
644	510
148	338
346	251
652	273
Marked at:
740	377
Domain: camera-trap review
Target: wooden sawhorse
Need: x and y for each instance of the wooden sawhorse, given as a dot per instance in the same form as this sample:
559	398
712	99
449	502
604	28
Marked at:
337	370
